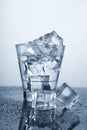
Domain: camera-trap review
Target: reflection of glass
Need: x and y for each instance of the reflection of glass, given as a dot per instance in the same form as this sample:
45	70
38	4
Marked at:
39	63
33	119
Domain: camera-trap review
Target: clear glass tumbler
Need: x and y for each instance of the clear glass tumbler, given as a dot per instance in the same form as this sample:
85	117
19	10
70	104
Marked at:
39	68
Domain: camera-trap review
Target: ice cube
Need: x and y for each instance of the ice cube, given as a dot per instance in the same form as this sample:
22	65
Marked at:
45	83
47	37
37	69
67	95
33	49
57	51
36	84
51	64
53	38
56	39
47	42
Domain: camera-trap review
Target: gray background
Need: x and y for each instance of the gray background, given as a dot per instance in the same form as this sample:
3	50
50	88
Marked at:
25	20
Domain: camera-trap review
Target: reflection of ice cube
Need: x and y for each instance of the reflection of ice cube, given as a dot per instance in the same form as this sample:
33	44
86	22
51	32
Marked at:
67	95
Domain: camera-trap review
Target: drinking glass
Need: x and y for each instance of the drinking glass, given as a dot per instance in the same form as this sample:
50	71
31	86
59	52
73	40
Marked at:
39	73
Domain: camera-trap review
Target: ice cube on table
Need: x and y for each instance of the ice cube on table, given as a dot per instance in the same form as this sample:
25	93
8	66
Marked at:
67	95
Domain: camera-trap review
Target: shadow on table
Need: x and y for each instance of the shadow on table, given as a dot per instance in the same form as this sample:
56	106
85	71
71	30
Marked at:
33	119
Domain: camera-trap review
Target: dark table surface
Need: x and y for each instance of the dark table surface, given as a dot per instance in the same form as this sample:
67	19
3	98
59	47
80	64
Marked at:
15	114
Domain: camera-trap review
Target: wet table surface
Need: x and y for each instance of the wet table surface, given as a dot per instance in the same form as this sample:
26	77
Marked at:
16	114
